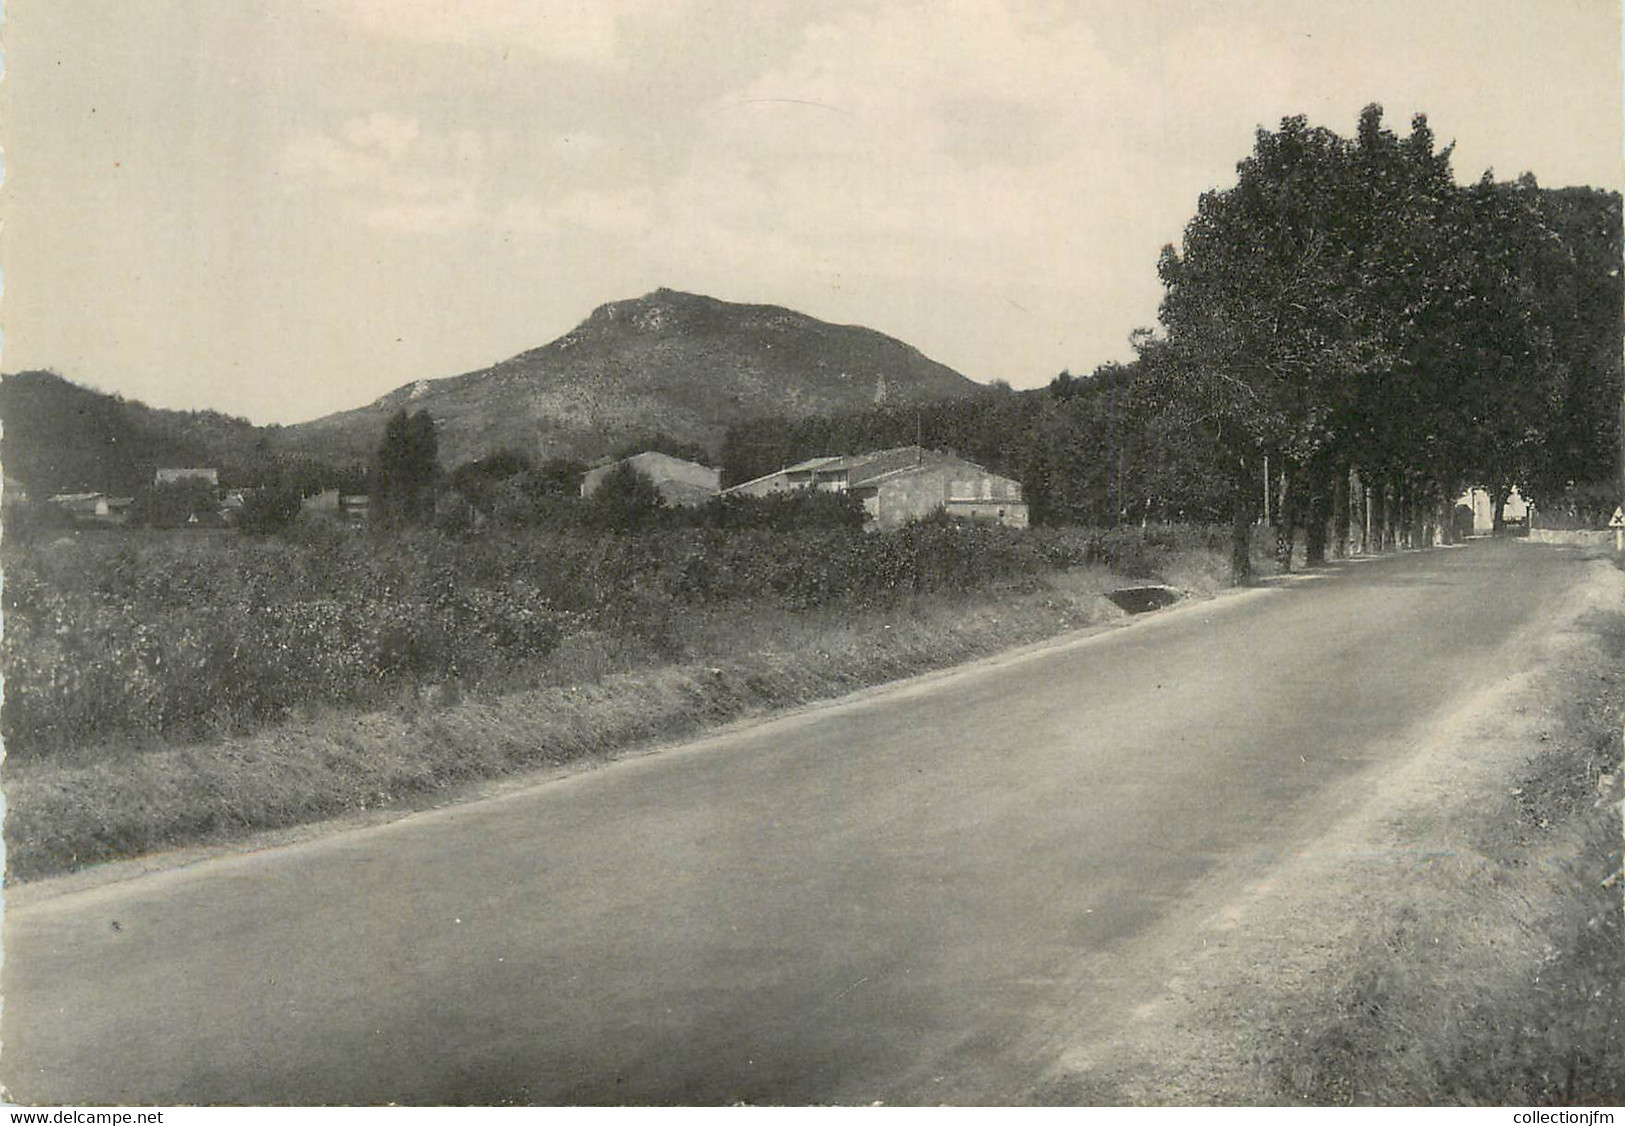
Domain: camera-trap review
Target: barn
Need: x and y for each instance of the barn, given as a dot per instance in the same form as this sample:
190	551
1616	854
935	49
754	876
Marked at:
903	484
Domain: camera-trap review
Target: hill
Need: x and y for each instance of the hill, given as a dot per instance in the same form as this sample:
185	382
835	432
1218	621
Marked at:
673	364
61	437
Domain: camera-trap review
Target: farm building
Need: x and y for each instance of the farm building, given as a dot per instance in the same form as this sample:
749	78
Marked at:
325	502
170	476
802	475
680	482
356	507
903	484
93	508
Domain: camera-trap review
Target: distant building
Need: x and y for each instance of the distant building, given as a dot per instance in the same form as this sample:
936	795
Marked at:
93	508
1514	510
356	507
903	484
802	475
680	482
82	504
170	476
12	493
326	501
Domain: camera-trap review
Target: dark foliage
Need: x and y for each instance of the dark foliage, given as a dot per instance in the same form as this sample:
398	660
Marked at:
480	481
1087	450
624	501
405	471
270	508
176	504
1347	311
61	437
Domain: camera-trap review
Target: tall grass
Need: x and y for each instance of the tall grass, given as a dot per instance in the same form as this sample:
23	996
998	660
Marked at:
152	637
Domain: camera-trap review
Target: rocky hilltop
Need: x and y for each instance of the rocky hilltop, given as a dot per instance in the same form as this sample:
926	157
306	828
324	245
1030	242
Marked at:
678	365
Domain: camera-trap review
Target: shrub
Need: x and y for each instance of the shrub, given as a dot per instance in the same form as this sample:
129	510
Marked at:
625	499
172	504
269	509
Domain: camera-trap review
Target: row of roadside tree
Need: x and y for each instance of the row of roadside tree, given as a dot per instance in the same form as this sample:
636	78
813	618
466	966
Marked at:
1349	338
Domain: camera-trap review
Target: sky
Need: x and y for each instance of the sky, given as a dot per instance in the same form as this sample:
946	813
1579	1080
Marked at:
283	208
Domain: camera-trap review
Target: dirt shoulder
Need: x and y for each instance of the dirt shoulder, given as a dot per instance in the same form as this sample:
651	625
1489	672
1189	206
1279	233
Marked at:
1454	939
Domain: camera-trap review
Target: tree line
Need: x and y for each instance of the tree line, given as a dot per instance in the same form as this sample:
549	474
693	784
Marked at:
1347	336
1381	338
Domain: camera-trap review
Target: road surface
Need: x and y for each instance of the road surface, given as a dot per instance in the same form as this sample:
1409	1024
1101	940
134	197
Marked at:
921	896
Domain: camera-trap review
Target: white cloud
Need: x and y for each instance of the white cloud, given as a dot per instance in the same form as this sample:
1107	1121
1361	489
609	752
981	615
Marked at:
394	135
563	29
388	172
624	213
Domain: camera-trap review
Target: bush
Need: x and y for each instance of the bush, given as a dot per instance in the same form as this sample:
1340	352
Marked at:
624	500
779	512
174	504
269	509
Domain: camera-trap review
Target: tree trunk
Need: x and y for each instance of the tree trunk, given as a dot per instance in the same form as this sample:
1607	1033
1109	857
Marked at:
1340	513
1314	547
1286	502
1367	542
1241	537
1359	512
1241	529
1498	501
1390	516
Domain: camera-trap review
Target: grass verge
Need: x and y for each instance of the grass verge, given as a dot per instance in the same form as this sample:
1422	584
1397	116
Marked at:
1508	986
1455	936
594	701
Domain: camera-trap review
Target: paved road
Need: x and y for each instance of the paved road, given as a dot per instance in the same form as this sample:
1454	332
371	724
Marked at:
917	897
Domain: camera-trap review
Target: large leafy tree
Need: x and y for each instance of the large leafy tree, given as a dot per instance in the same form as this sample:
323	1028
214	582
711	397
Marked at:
1261	320
1577	465
1394	414
1491	343
1346	312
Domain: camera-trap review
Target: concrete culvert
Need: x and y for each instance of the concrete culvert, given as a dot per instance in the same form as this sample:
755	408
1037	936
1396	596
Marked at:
1139	599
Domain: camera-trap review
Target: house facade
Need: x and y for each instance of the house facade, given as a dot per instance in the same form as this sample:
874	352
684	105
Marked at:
680	482
903	484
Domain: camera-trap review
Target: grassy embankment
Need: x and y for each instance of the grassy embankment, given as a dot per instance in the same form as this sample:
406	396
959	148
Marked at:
1456	936
1507	987
169	691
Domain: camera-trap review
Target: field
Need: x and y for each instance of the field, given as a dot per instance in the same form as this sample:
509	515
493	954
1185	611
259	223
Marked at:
164	690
